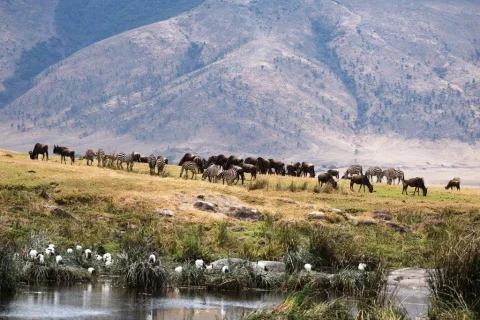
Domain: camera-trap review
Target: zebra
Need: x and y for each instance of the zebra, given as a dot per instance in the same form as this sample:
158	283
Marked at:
123	157
391	174
189	165
161	162
229	175
211	172
100	156
152	163
89	156
374	171
353	169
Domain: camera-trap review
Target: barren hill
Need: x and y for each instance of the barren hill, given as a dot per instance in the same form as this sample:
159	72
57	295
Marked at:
329	81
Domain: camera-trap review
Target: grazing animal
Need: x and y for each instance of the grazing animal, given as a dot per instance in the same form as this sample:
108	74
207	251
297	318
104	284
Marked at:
39	148
152	162
189	166
334	173
454	183
418	183
307	267
278	166
229	175
353	169
100	157
64	152
211	172
307	169
127	158
263	165
161	162
250	160
232	161
326	178
250	168
362	181
89	156
240	173
374	171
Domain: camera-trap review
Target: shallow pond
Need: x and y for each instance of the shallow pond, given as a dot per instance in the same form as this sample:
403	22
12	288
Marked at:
102	300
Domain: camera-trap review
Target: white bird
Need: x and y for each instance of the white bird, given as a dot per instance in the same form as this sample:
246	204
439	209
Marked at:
78	247
199	263
59	259
40	258
362	266
109	263
33	254
91	270
51	245
107	256
179	269
225	269
99	257
152	259
88	253
49	251
69	250
307	267
209	267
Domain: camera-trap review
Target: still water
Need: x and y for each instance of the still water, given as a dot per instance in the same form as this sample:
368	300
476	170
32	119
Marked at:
102	300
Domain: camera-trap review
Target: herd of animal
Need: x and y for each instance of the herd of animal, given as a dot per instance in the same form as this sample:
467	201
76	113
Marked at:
233	168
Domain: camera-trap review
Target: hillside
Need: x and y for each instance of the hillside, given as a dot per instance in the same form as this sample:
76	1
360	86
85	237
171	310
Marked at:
330	81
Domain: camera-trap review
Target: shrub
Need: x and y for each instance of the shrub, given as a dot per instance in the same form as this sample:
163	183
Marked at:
259	183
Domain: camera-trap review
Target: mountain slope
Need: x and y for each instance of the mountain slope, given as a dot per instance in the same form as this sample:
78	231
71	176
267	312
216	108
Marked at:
282	79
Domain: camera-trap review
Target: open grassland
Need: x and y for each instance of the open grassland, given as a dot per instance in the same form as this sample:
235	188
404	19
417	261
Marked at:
104	205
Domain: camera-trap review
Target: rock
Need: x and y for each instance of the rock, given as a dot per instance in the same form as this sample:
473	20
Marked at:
56	210
205	206
220	263
274	266
316	215
164	212
397	227
339	212
201	196
382	215
356	222
244	213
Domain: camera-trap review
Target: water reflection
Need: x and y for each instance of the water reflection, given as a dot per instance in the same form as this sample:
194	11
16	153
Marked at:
101	300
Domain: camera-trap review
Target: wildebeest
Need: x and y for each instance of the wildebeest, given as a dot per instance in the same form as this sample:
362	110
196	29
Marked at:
250	160
250	168
64	152
194	158
417	183
263	165
217	160
362	181
39	148
307	168
326	178
232	161
240	173
334	173
278	166
455	182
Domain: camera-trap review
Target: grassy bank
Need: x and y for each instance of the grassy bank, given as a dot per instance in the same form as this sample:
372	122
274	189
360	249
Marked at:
91	206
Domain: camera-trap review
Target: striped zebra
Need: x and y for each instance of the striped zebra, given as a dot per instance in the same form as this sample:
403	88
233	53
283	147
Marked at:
229	175
211	172
353	169
374	171
152	163
89	156
123	157
161	162
100	156
391	174
189	166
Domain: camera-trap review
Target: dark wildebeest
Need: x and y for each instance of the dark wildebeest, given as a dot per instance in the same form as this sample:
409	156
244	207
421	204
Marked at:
278	166
263	165
417	182
291	170
217	160
334	173
137	157
39	148
250	168
307	168
64	152
362	181
250	160
326	178
186	157
232	161
240	173
192	157
454	183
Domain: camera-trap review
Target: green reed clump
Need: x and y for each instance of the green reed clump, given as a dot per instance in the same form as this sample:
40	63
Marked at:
9	271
